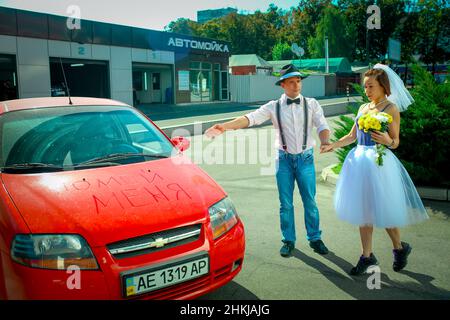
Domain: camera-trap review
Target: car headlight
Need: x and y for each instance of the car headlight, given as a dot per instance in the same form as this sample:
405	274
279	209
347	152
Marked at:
53	251
223	217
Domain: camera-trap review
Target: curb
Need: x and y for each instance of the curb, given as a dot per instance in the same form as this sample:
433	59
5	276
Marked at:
191	129
439	194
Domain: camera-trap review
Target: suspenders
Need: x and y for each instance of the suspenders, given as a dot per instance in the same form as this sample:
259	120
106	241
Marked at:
280	127
305	125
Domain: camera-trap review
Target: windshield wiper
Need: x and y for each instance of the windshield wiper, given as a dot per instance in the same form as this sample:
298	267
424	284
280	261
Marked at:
118	156
32	166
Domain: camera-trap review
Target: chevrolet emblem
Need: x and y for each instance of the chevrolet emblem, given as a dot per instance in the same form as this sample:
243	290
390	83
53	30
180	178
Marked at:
160	242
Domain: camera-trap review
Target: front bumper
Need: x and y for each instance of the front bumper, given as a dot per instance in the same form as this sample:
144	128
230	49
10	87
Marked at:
226	256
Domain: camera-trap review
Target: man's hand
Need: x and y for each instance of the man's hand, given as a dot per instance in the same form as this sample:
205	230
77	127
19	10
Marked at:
215	130
235	124
324	148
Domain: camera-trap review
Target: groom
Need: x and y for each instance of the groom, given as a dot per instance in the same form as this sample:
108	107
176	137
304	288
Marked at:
294	116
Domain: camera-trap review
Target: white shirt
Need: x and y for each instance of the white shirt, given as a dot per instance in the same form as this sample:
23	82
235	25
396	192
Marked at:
292	120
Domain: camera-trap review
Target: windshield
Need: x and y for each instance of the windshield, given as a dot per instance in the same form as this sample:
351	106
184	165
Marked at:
77	137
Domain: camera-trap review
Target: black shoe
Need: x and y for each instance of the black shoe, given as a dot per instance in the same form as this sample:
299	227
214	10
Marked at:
286	249
363	264
318	246
401	256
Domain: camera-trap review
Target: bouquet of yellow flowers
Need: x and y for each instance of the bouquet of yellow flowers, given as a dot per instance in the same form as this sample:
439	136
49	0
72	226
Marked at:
376	122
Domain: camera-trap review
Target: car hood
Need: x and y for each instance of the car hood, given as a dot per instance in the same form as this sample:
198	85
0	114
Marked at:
109	204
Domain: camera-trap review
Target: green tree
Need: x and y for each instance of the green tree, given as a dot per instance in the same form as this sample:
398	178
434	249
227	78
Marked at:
409	35
261	34
392	11
274	16
303	22
434	27
331	25
214	29
235	26
312	11
355	18
370	45
184	26
282	51
422	26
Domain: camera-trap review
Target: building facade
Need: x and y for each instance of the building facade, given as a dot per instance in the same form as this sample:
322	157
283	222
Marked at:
243	64
137	66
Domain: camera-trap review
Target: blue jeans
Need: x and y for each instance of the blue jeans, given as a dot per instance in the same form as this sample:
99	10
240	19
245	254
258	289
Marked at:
300	168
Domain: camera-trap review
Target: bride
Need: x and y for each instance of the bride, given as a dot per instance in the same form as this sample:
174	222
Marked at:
369	194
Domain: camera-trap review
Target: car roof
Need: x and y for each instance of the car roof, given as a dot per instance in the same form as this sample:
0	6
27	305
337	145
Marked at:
46	102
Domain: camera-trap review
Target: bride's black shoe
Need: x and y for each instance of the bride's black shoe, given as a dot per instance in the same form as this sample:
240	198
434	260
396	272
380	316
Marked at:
363	264
401	256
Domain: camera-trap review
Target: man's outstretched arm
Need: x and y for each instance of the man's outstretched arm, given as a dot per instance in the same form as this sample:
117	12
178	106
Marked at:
217	129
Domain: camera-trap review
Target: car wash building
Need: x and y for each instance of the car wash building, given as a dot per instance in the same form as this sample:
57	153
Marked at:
137	66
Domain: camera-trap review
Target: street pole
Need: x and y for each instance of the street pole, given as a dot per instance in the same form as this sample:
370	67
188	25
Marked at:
367	45
327	65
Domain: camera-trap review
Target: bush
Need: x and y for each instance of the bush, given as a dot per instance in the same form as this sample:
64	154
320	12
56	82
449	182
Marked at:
425	131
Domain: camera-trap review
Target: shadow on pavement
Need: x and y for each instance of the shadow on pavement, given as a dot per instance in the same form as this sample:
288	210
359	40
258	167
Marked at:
424	284
230	291
357	286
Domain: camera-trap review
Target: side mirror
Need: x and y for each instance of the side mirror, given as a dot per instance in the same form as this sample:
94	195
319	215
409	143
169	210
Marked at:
181	143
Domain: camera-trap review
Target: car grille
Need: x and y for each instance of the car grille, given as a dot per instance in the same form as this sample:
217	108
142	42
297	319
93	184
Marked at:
155	242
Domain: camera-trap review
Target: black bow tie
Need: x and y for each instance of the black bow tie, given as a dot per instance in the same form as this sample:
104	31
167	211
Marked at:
291	101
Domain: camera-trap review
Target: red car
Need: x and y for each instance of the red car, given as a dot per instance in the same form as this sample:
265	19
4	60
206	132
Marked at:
96	202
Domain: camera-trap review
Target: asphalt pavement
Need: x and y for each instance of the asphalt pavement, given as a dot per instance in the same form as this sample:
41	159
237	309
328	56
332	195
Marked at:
242	163
307	275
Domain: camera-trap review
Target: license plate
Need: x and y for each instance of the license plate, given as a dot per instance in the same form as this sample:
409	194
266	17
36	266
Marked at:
158	277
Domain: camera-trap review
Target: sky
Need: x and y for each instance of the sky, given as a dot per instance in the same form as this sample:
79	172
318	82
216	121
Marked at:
149	14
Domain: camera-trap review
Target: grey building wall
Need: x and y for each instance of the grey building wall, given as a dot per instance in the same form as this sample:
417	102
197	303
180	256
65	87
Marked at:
33	63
